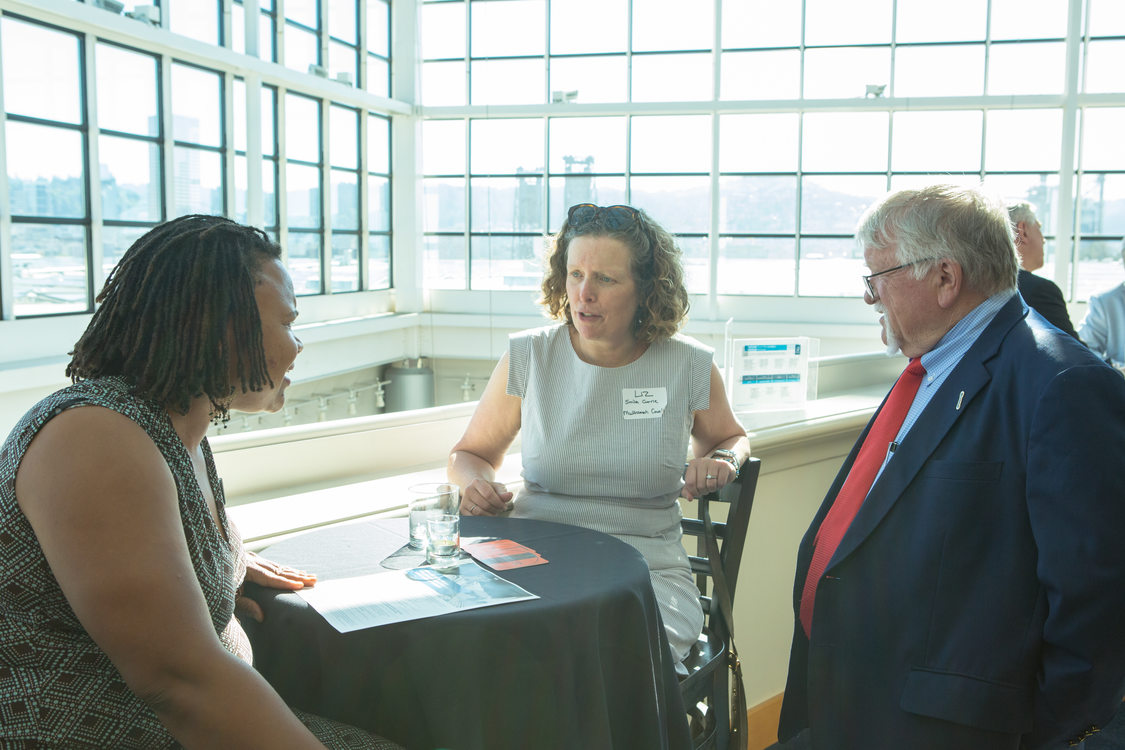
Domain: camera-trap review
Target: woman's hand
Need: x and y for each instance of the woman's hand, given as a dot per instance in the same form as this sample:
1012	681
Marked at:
484	498
272	575
706	475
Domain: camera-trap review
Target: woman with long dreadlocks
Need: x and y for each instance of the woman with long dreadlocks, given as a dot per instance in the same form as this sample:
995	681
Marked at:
118	566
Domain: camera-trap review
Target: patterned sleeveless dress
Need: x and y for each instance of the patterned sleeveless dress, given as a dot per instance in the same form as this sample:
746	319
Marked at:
604	448
57	688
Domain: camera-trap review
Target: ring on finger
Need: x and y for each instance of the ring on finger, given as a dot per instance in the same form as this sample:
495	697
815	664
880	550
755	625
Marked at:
710	476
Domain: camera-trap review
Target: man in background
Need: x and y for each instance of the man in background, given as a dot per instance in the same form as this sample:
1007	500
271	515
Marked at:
961	586
1103	328
1042	295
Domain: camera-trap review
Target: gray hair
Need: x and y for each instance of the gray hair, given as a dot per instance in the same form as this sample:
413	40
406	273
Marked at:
945	221
1021	211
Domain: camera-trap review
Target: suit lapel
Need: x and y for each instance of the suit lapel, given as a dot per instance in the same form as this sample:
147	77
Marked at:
970	375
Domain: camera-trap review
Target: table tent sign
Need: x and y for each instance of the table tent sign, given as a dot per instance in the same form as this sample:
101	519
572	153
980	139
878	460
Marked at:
770	374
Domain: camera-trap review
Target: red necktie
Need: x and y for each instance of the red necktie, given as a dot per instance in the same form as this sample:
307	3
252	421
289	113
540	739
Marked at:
858	483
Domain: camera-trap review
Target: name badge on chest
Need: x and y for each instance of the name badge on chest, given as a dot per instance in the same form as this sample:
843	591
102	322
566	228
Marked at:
643	403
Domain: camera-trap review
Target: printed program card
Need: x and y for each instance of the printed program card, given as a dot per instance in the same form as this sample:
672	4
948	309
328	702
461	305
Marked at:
504	554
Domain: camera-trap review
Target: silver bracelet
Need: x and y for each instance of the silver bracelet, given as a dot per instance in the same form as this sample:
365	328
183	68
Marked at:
722	454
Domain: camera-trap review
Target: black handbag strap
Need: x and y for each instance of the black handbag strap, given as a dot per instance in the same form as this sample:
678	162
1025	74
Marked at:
720	592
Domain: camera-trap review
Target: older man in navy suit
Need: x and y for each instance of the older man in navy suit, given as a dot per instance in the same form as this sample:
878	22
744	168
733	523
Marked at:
963	585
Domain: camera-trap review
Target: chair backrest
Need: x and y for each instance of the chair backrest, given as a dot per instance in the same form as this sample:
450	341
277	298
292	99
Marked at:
730	538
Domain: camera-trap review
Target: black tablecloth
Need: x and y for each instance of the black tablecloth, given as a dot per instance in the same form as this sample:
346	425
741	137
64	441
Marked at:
585	666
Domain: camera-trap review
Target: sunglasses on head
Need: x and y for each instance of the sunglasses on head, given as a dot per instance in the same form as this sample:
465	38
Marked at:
613	218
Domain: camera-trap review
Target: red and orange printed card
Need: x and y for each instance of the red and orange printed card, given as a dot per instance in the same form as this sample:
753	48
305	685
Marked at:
503	554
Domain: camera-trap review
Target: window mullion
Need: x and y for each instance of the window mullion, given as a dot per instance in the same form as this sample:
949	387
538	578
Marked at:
167	138
95	250
1068	233
325	198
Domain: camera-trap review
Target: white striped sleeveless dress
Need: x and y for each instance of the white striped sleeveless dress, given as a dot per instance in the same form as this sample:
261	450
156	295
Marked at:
604	448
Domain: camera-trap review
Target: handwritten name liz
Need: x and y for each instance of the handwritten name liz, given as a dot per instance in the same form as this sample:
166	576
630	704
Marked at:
643	403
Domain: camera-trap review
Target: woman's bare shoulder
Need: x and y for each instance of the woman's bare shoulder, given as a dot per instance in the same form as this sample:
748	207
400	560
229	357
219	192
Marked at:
91	450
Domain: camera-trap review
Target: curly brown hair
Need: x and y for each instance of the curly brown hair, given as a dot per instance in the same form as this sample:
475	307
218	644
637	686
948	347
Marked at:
656	266
176	310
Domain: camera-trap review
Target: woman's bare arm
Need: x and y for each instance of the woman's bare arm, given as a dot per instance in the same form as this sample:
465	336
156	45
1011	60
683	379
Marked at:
103	505
480	451
715	428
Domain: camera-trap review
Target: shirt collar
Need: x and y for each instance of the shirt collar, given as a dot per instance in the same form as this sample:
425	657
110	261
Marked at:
962	334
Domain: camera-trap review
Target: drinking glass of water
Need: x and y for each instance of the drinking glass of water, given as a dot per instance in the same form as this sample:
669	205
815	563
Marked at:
443	540
426	500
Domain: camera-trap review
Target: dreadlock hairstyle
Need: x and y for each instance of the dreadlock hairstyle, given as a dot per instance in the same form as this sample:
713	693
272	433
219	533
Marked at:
176	309
655	263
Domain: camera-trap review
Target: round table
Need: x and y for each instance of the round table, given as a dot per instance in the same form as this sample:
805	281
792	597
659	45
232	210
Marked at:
586	665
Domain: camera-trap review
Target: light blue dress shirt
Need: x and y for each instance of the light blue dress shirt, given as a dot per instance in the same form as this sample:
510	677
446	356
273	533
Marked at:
941	360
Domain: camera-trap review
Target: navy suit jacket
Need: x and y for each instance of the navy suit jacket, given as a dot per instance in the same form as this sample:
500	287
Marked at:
977	602
1045	297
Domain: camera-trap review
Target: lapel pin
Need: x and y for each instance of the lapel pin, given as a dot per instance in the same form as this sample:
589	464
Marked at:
959	399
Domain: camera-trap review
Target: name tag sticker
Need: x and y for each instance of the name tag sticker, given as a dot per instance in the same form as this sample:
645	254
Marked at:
643	403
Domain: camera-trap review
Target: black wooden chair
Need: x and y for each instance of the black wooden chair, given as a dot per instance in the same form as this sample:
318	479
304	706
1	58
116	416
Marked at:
706	688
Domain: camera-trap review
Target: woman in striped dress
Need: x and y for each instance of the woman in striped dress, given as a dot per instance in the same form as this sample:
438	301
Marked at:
606	402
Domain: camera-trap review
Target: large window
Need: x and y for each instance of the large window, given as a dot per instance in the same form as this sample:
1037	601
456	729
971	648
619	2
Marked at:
378	202
344	179
267	175
505	202
302	35
267	26
48	185
303	185
755	130
110	129
378	44
198	19
1101	200
759	131
130	151
343	41
197	130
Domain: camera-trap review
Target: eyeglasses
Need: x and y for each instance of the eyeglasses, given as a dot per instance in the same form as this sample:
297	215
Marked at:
613	218
871	287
